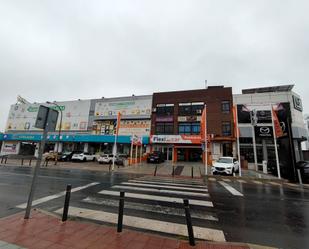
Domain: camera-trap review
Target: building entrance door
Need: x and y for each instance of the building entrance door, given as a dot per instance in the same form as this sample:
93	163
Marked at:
168	153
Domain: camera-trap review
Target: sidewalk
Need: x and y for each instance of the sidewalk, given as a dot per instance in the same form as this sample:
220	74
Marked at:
47	231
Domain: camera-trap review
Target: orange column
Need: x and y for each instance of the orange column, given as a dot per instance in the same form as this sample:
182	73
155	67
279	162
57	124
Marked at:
174	155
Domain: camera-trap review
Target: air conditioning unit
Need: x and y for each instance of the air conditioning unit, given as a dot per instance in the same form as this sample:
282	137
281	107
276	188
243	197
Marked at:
154	109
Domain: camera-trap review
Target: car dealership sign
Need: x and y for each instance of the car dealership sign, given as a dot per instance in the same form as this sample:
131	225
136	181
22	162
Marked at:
263	131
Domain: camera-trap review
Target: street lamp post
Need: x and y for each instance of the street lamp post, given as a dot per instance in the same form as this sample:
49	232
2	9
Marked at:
59	131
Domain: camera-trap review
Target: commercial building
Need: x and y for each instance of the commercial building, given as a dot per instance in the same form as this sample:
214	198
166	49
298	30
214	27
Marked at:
256	131
86	125
175	123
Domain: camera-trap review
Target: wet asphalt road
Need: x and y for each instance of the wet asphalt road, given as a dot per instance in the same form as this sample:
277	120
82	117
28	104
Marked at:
266	214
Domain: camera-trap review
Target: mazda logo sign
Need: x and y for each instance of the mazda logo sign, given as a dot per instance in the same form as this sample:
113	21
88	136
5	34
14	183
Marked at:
264	130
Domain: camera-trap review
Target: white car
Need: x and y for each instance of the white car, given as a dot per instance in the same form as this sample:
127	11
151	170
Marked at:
105	158
225	165
84	156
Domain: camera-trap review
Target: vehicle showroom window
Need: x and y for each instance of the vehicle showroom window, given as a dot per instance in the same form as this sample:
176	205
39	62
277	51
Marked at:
225	106
226	129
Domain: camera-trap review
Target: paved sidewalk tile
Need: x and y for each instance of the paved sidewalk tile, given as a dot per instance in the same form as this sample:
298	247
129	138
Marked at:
46	231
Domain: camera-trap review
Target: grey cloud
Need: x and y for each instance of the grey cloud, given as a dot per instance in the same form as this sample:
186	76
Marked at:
63	50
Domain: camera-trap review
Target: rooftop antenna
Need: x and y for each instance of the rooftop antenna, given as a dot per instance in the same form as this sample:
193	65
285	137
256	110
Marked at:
206	84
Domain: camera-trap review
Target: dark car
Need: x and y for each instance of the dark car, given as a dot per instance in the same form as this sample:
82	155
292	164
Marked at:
272	167
67	156
303	166
156	157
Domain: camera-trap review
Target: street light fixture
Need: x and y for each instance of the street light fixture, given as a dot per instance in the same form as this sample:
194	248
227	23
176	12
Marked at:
59	132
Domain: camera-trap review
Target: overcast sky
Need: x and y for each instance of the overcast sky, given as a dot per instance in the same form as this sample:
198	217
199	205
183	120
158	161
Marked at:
64	50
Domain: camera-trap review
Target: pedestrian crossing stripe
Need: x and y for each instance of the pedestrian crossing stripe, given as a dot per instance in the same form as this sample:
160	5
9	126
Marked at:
162	191
175	180
146	184
241	181
212	179
147	224
167	210
158	198
257	182
169	184
230	189
226	180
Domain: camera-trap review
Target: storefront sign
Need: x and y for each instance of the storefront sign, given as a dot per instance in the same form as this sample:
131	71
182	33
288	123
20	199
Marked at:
297	103
9	148
75	116
189	118
263	131
176	139
136	107
165	119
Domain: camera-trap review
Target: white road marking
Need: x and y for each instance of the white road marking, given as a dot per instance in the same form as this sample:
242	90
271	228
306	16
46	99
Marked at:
175	180
165	186
275	183
169	184
164	191
198	214
226	180
51	197
212	179
257	182
241	181
230	189
147	224
158	198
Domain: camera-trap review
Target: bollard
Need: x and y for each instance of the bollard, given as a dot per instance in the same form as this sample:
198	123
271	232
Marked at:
299	177
189	222
120	212
30	162
2	159
192	172
6	158
155	172
173	172
66	203
46	163
22	162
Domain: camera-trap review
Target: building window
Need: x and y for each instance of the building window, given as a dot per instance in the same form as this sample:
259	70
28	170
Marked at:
165	109
164	128
190	109
196	128
226	129
189	128
225	106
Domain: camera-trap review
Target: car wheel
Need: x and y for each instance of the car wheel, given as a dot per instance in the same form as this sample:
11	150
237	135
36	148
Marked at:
84	159
232	172
93	159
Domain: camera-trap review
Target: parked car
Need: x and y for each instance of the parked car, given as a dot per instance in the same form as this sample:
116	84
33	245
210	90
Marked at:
303	166
84	156
67	156
105	158
225	165
156	157
272	167
120	159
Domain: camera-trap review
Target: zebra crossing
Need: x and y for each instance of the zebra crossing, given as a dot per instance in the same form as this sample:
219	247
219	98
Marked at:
154	204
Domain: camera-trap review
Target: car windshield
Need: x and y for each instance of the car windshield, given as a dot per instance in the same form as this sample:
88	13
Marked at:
225	160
